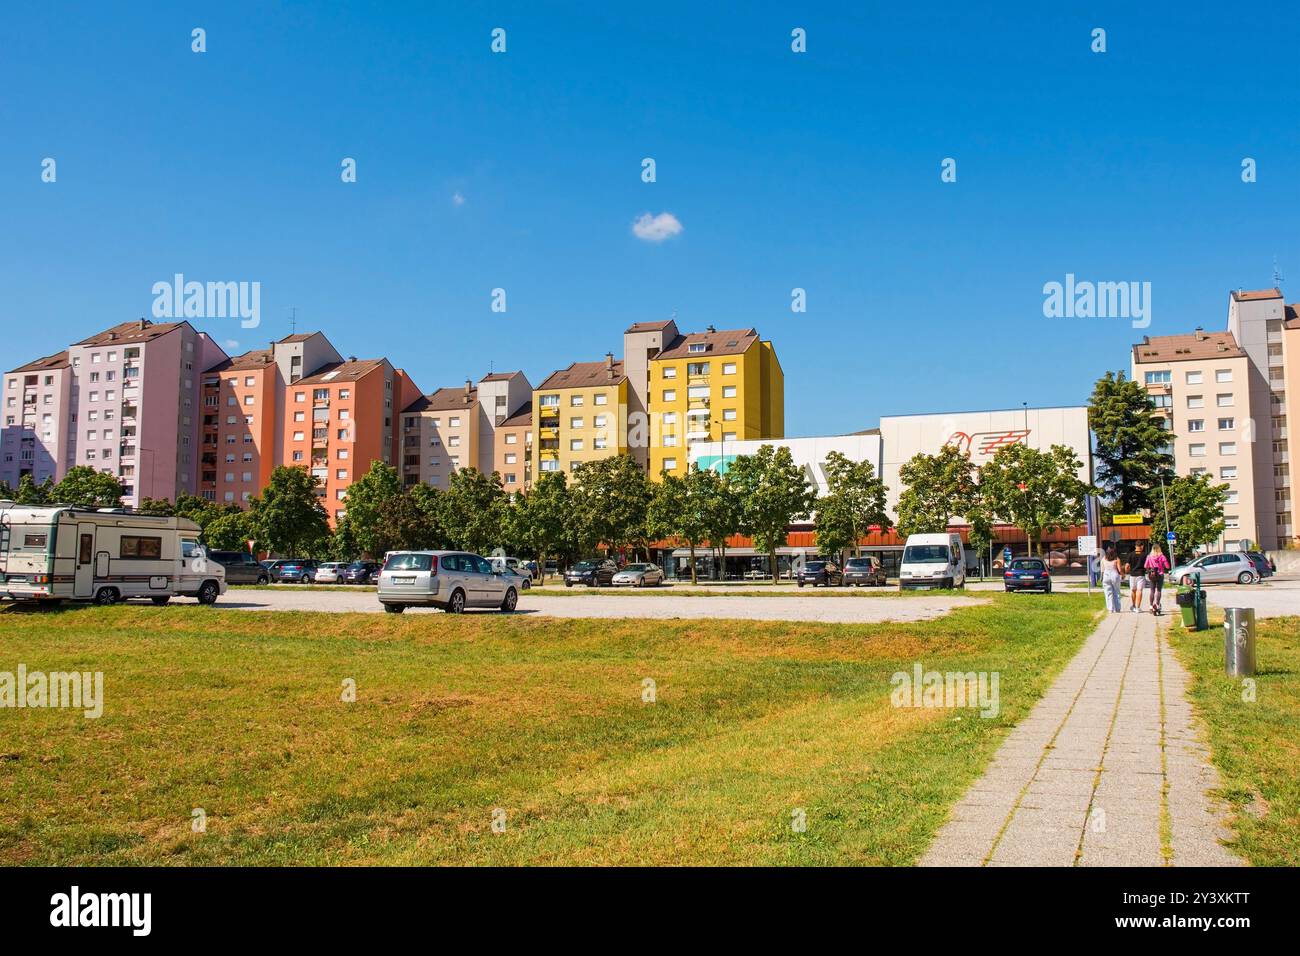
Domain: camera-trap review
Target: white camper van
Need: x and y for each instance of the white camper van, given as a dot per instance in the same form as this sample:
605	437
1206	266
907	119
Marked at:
932	561
59	553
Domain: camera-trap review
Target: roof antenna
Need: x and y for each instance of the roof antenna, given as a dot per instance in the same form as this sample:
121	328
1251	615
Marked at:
674	314
293	320
1277	276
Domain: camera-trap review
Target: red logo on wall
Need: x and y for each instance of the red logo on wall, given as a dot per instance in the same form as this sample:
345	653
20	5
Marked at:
986	444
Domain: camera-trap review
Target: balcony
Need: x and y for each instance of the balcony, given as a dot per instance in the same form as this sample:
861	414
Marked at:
320	436
549	454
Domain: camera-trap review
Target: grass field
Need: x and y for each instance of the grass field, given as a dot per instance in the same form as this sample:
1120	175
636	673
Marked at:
1256	744
240	715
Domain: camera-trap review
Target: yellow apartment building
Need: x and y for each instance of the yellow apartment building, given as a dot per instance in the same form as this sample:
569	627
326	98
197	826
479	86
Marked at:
579	415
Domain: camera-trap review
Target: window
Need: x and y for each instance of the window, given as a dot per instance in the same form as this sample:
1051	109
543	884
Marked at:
575	401
547	401
728	414
510	478
512	439
1231	521
300	396
728	391
343	453
576	423
1223	375
1227	472
1163	401
728	436
670	464
599	443
1196	451
140	546
248	399
38	541
670	371
248	476
249	381
512	458
1158	378
299	416
1196	424
600	400
453	441
344	414
670	394
1193	378
341	474
1195	401
1231	499
575	444
297	436
697	368
599	421
454	421
1223	400
728	368
1227	448
696	347
670	418
345	393
1227	424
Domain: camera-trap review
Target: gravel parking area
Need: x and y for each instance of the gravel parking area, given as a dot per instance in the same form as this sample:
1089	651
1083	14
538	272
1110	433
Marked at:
850	610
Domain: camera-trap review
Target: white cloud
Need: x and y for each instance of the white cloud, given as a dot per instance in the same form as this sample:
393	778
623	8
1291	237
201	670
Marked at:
656	228
230	344
458	198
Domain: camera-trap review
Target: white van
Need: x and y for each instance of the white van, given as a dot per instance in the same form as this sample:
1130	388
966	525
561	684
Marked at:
932	561
56	553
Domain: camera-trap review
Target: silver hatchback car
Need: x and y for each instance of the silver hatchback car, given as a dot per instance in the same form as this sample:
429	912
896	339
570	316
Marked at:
451	580
1213	568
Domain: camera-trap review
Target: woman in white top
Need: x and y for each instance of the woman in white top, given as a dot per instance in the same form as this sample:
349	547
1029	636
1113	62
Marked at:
1110	579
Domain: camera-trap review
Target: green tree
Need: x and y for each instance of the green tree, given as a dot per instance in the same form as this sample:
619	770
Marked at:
936	489
428	500
611	498
1130	444
1034	490
474	510
30	493
1195	512
155	506
773	492
230	531
722	515
288	516
541	521
84	487
6	491
370	501
343	543
853	503
680	508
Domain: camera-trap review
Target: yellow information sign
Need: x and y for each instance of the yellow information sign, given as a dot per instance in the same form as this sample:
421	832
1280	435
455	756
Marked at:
1127	519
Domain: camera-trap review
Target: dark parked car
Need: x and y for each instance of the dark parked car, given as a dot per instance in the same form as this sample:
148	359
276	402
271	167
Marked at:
1028	574
868	571
241	567
297	571
591	573
360	572
1263	564
825	573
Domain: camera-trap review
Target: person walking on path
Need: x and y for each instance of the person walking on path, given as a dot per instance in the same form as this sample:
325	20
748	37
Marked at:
1134	568
1157	566
1110	579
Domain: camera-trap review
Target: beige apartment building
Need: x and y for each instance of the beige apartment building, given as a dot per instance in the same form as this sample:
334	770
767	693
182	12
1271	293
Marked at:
580	415
1226	397
514	450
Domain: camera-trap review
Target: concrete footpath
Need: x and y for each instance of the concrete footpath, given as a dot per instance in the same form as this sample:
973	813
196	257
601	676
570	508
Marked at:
1107	769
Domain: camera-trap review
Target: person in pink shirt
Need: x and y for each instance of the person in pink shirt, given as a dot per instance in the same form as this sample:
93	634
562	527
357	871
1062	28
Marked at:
1157	566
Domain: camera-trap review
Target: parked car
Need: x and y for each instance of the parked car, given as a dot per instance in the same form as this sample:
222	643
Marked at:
296	570
519	576
1263	564
1027	574
819	572
330	572
241	567
868	570
552	569
591	573
1218	568
517	567
360	572
451	580
272	566
638	576
935	560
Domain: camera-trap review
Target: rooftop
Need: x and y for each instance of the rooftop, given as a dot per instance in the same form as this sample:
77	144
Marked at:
444	399
585	375
349	371
57	360
520	419
1244	295
1186	348
256	359
499	376
141	330
725	342
296	337
1291	320
649	326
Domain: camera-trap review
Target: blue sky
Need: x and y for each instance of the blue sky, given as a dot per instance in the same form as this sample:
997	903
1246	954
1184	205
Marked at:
818	170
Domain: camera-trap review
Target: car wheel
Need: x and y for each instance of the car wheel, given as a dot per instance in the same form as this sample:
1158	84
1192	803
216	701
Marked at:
457	603
527	585
1245	577
801	584
1186	581
394	608
209	592
107	596
263	579
511	600
568	584
161	599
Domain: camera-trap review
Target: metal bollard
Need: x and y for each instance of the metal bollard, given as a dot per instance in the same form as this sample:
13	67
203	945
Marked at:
1239	641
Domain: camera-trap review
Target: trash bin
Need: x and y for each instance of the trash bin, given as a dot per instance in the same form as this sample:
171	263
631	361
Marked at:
1202	612
1239	641
1186	601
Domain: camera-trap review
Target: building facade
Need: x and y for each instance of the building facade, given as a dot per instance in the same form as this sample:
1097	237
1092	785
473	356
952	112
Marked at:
36	439
580	415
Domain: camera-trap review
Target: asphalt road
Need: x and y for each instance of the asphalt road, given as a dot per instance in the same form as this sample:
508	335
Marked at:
841	610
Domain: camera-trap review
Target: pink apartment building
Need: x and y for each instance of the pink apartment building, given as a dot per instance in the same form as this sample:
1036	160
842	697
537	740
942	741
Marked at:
35	440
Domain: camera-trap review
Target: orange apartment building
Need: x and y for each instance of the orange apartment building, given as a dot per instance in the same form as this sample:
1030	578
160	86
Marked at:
239	427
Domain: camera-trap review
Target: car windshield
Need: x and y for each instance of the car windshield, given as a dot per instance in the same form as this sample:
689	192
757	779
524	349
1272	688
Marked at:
358	566
816	565
408	562
857	563
583	566
925	554
637	567
1022	564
